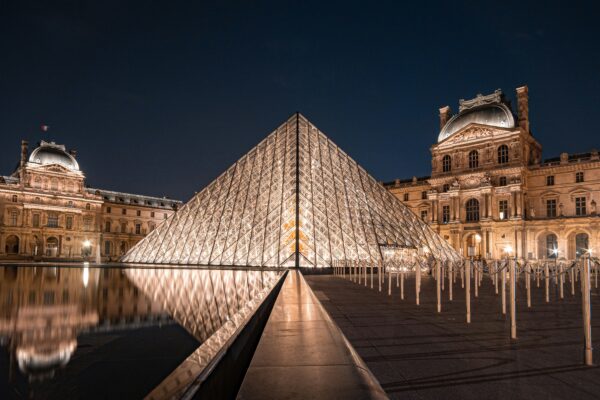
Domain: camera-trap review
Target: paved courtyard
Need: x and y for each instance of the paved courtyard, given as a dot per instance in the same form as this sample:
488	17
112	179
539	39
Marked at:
416	353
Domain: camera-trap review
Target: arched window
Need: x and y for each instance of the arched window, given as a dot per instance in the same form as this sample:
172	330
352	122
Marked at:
472	208
12	245
447	163
473	159
15	198
88	206
582	244
551	246
503	154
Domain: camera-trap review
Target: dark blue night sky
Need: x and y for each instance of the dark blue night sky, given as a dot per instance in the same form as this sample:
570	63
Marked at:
160	97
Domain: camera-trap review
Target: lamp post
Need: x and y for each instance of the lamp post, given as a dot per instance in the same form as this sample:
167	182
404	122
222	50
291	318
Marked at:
87	246
513	303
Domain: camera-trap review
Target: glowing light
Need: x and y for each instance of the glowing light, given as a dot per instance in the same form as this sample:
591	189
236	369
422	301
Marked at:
555	251
86	275
87	243
477	238
508	249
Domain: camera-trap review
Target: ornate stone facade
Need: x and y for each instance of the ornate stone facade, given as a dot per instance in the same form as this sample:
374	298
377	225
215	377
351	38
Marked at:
48	213
489	190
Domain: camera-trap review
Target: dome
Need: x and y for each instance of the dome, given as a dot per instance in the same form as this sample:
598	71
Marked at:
52	153
498	115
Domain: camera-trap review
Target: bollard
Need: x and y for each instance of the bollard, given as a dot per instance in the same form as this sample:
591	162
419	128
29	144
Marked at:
389	282
587	311
439	285
528	284
547	273
561	279
467	272
496	275
573	281
504	290
476	271
379	264
417	281
450	283
402	284
372	275
513	299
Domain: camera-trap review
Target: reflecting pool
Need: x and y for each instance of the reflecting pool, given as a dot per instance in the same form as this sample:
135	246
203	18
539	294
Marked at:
100	332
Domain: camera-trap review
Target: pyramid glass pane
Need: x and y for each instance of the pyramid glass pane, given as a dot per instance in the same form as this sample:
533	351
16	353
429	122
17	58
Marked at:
296	199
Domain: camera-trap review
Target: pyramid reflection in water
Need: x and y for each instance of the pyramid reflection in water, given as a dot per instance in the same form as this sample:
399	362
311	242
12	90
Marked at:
296	199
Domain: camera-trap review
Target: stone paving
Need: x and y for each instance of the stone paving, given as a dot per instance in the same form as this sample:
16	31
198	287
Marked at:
416	353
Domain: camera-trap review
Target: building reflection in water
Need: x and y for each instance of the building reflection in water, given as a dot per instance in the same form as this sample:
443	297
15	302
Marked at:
44	309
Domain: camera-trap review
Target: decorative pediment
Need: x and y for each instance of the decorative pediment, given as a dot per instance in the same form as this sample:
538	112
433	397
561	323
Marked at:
470	133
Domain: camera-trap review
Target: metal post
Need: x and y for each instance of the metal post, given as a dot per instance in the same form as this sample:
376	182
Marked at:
528	284
513	300
389	283
573	281
365	269
504	290
467	271
496	275
587	310
417	281
402	283
562	281
450	283
439	285
476	271
379	266
547	273
372	265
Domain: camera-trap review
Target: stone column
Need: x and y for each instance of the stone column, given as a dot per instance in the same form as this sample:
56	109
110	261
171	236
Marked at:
519	199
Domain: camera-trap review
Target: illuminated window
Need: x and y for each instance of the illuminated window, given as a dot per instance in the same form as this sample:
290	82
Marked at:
581	244
550	180
503	209
551	208
580	206
447	163
551	246
579	177
472	208
473	159
503	154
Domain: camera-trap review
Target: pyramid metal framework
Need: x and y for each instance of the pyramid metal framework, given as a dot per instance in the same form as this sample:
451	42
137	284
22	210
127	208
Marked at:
294	200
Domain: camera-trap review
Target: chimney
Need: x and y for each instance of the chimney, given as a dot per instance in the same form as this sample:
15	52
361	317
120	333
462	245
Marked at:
445	114
523	105
73	152
23	153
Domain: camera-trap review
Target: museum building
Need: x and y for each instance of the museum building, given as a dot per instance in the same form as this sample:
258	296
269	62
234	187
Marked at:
48	212
490	192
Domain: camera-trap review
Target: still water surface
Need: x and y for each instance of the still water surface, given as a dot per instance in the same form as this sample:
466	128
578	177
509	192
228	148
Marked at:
99	332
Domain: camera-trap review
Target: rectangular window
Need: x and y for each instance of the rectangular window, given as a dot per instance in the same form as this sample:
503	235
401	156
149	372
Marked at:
138	213
580	208
124	227
36	220
13	218
69	222
503	209
424	195
138	229
108	210
165	216
551	208
87	224
107	226
502	181
152	214
15	198
52	220
107	248
405	196
550	180
445	214
124	211
579	177
48	298
424	215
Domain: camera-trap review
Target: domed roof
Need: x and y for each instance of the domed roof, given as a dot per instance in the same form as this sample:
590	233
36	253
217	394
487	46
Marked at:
52	153
488	110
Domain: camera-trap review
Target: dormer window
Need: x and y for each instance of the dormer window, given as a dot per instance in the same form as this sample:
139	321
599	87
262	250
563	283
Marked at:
15	198
579	177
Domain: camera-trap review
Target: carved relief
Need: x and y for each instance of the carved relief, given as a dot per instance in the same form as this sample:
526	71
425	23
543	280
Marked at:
470	134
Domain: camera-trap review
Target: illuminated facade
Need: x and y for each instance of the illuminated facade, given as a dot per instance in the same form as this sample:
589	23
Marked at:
489	187
47	212
295	199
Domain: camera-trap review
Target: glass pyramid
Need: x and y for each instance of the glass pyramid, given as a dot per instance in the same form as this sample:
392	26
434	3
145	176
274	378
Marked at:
294	200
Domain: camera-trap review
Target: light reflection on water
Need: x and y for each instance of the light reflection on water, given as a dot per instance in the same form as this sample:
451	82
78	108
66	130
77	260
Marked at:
43	310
